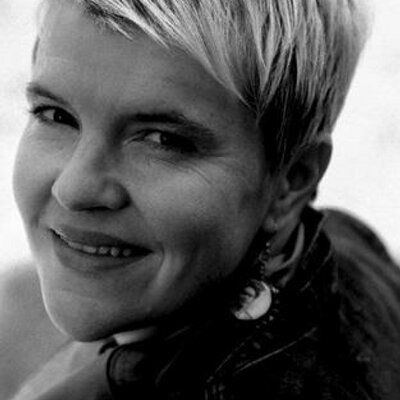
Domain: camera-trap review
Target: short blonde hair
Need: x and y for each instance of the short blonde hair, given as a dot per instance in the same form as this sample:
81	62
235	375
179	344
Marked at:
289	61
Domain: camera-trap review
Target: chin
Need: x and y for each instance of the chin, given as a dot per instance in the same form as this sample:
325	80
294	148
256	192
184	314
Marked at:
81	330
80	323
89	322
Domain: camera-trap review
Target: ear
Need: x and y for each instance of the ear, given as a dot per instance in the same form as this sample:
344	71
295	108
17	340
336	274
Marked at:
296	185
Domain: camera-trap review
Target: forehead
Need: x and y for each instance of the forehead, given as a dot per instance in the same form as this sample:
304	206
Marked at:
73	48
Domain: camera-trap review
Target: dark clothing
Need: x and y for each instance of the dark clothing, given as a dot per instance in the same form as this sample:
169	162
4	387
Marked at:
333	333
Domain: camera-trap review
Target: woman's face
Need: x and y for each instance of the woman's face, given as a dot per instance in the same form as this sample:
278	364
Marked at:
141	181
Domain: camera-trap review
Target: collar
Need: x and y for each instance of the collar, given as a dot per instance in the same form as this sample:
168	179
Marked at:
281	268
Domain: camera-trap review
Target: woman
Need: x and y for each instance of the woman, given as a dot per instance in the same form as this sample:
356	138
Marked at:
164	180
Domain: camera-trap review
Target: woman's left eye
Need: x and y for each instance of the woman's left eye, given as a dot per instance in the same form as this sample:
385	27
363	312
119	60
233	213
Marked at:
170	141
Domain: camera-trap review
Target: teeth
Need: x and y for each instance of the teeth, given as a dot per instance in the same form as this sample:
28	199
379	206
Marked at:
75	246
115	251
127	253
112	251
89	249
103	250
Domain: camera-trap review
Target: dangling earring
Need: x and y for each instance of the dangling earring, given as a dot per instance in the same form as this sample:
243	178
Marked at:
257	296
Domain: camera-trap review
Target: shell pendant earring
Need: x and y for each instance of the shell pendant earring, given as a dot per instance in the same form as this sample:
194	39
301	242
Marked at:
257	296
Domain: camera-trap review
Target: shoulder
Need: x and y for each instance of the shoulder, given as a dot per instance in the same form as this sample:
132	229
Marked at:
365	268
27	336
368	286
347	232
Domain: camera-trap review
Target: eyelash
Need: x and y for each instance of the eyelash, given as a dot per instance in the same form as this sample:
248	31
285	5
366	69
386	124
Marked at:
38	113
180	143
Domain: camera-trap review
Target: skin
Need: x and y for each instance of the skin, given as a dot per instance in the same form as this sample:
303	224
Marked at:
104	152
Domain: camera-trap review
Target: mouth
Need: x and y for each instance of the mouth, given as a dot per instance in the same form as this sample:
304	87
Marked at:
98	244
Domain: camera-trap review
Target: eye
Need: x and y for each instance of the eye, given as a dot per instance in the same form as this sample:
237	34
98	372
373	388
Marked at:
170	141
54	115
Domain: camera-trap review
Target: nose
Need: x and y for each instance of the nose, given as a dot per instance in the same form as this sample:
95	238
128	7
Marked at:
88	181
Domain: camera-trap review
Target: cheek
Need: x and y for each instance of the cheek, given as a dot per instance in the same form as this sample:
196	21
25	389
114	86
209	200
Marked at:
34	174
27	179
211	219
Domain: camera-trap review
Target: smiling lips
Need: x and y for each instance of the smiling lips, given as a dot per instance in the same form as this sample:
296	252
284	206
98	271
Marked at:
98	244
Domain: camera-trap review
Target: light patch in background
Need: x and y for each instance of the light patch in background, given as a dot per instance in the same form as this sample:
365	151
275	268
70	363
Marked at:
17	29
364	176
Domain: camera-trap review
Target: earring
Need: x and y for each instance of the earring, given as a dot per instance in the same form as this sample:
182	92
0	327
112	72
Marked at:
271	225
257	295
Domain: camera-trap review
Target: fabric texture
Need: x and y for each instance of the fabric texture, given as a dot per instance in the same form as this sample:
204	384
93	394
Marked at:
333	333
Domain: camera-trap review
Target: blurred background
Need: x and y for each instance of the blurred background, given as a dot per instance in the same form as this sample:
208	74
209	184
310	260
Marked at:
364	176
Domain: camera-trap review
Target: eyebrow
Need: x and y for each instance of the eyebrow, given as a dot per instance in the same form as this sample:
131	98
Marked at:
34	89
172	117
